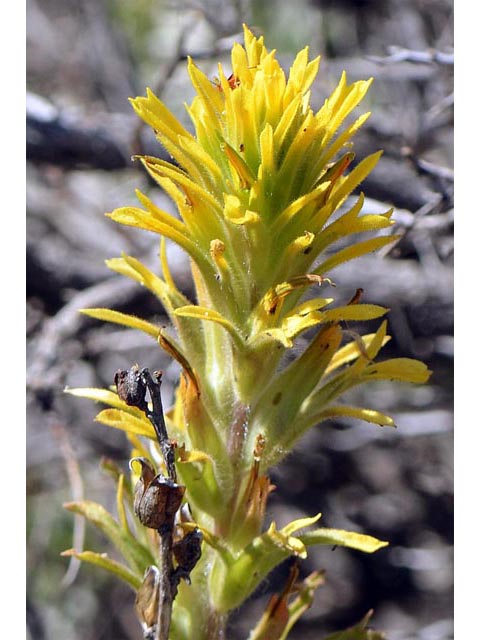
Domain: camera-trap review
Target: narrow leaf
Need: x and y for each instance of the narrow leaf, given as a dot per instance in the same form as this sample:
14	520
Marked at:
356	250
102	560
122	514
339	537
124	319
402	369
130	424
354	312
137	556
369	415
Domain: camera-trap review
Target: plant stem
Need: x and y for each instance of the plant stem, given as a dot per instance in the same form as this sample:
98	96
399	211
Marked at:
158	421
165	587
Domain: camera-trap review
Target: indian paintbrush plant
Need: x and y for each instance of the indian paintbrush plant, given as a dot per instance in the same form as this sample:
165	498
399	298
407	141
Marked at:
261	189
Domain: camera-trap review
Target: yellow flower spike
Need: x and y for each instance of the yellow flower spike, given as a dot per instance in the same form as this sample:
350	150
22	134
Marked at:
258	189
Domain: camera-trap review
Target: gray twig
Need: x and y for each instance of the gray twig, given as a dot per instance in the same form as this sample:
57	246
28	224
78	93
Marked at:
400	54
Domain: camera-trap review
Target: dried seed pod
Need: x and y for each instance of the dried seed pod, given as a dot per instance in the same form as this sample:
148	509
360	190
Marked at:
131	387
157	498
187	552
147	599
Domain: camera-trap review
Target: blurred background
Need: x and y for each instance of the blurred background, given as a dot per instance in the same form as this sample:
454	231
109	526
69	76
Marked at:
84	59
